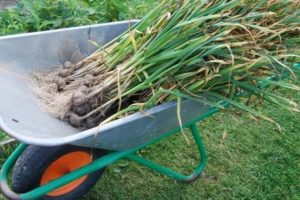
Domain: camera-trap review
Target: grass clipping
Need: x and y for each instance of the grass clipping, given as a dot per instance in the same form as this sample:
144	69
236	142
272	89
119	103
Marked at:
182	49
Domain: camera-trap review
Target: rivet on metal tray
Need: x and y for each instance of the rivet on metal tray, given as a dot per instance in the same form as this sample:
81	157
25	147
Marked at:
14	120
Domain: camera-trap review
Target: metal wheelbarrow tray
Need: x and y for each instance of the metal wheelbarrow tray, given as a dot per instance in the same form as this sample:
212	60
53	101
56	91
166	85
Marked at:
22	117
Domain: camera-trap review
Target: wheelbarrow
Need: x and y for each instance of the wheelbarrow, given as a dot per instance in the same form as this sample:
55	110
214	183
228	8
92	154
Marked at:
55	160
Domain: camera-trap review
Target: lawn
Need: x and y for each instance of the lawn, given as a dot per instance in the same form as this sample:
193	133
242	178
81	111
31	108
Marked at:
248	158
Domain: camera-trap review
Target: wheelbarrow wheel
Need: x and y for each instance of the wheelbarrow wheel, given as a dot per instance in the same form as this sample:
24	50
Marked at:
39	165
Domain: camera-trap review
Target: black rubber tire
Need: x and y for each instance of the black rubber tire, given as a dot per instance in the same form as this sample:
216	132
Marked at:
31	165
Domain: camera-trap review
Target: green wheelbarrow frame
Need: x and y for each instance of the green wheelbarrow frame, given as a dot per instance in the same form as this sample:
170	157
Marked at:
108	159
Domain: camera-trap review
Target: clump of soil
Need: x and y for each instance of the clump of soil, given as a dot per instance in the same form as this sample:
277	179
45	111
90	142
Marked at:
66	101
75	95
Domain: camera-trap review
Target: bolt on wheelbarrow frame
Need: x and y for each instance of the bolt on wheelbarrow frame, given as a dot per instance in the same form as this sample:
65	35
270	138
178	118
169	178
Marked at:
107	160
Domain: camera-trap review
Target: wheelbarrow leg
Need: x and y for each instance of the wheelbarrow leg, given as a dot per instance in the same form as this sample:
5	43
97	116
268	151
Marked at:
171	173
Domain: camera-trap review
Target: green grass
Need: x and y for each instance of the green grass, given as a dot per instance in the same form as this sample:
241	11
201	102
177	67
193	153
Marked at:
39	15
4	151
2	135
251	161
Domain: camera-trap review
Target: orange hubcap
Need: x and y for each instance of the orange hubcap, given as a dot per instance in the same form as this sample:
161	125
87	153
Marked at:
64	165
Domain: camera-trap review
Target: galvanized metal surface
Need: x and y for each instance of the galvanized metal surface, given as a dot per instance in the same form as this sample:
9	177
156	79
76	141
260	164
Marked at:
22	116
